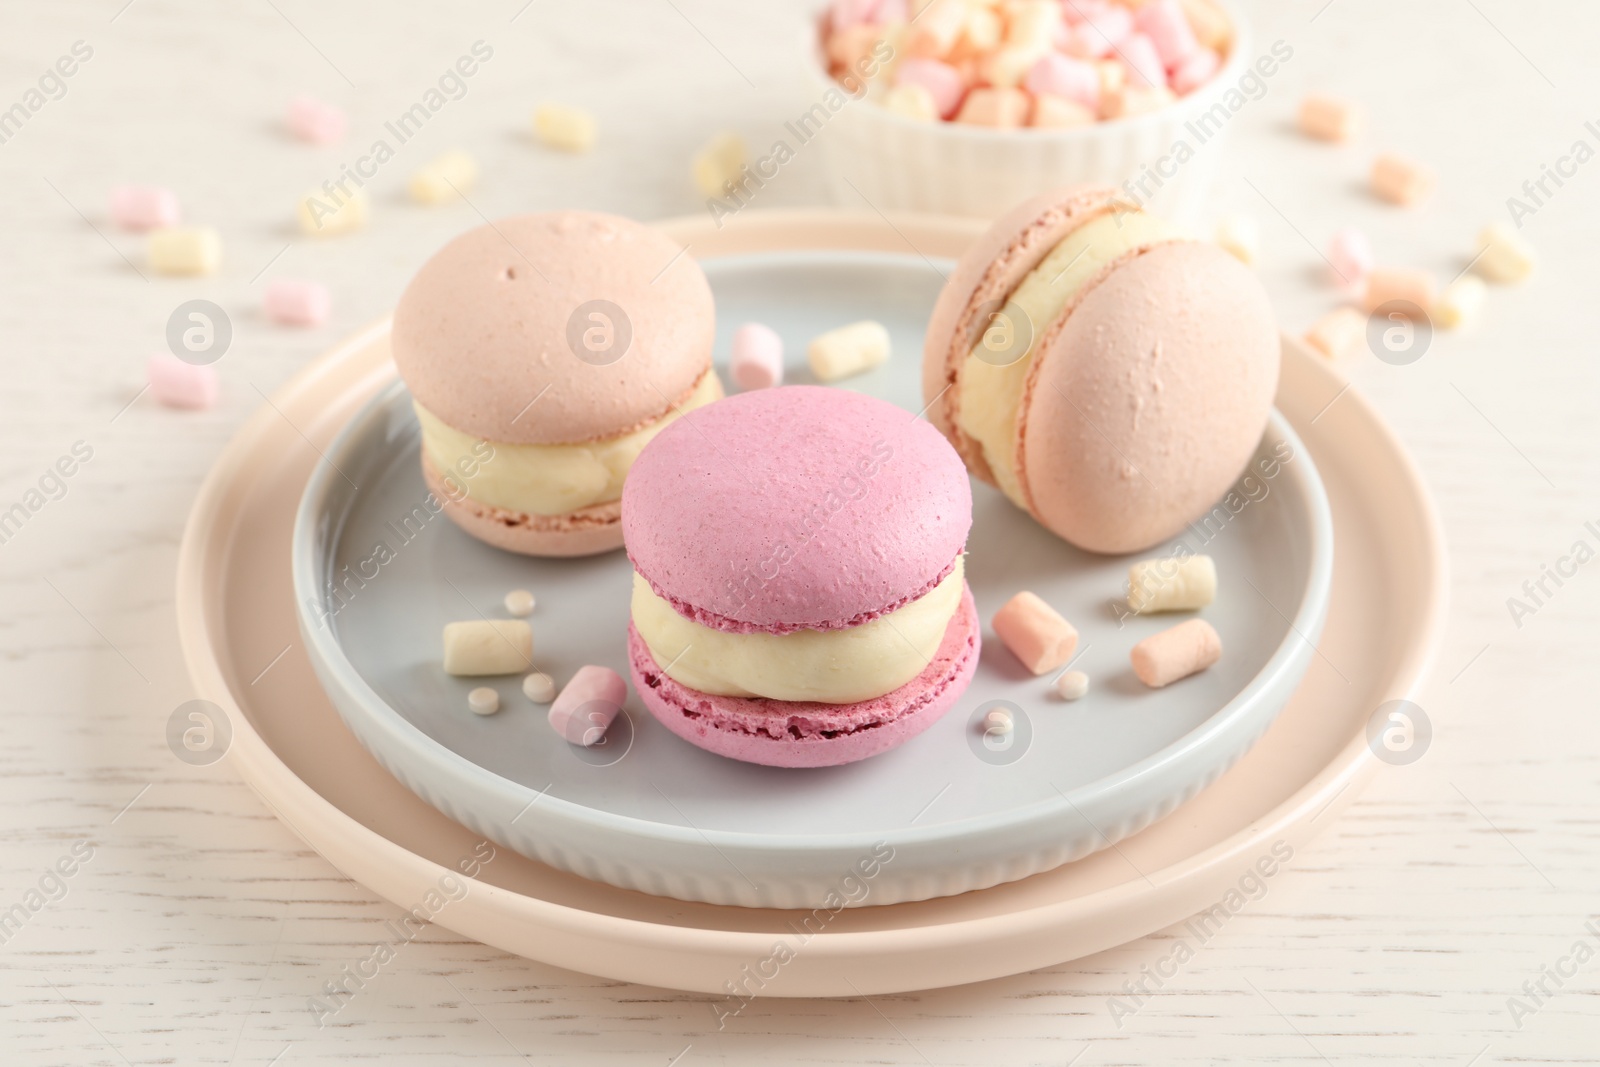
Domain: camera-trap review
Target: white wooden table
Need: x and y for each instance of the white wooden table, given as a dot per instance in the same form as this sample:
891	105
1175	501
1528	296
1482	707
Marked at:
198	926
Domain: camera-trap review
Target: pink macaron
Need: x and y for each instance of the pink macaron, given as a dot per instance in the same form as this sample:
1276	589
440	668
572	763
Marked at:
780	530
541	352
1144	393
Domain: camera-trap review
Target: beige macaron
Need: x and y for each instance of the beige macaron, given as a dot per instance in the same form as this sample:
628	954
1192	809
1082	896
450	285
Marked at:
542	352
1136	402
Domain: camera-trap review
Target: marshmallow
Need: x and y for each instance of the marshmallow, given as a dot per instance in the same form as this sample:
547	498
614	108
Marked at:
1033	24
934	32
185	250
1099	34
1409	284
850	53
487	646
1506	257
539	688
1240	237
297	303
720	161
1329	118
1210	25
1195	71
843	14
982	32
483	701
942	81
588	704
1461	302
1165	24
1351	255
1035	633
177	384
1171	584
519	602
1062	76
1402	181
1059	113
312	120
848	350
1001	108
444	178
1008	67
1072	685
324	214
757	358
1339	334
568	128
144	207
911	102
1145	69
1185	649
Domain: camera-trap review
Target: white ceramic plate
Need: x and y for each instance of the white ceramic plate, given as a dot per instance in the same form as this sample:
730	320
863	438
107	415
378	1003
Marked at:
648	811
236	615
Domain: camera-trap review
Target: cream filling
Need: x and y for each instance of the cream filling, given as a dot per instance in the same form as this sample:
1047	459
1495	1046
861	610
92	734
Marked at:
545	479
992	376
829	666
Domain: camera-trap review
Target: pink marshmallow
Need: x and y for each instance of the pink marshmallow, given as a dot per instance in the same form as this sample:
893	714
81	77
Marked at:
843	14
1035	632
1074	11
312	120
297	303
1186	649
1102	30
1351	255
757	361
1058	75
144	207
1195	71
1164	23
177	384
1143	62
943	82
890	12
585	708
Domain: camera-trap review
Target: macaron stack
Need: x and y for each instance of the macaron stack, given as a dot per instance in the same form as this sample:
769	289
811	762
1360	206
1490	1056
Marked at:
543	352
799	598
1111	377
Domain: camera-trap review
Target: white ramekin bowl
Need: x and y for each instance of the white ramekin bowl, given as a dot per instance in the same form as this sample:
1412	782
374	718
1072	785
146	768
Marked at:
900	164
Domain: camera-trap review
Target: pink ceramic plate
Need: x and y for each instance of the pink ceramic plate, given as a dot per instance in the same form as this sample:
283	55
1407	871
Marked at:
236	613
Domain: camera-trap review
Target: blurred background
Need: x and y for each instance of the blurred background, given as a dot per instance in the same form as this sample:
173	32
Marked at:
1405	929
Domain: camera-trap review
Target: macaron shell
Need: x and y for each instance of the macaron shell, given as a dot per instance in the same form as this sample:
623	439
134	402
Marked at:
1148	397
801	507
586	532
481	334
987	272
781	733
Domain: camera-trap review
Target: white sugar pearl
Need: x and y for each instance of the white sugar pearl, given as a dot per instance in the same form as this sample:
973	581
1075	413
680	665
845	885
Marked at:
519	602
1072	685
539	688
483	701
997	721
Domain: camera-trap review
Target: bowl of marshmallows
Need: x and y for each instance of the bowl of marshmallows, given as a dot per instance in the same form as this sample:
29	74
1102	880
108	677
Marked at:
968	107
